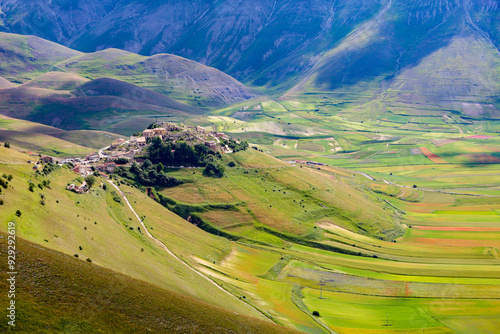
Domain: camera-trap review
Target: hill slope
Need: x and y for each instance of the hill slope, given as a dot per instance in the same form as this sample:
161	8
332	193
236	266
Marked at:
58	293
100	227
24	58
49	140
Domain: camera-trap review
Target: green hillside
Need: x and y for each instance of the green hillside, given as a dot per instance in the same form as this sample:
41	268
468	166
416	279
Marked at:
97	227
97	300
49	140
27	58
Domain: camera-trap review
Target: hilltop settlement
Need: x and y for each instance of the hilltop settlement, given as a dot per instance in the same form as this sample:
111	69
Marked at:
174	145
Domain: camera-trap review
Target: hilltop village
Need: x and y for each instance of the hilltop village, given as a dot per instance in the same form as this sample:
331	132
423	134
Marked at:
124	152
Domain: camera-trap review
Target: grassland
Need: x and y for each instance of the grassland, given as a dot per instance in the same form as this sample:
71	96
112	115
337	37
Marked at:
434	170
402	221
98	300
50	140
97	227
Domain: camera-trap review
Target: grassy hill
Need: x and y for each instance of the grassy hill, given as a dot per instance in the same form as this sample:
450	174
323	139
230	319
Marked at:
99	226
49	140
104	90
58	293
27	57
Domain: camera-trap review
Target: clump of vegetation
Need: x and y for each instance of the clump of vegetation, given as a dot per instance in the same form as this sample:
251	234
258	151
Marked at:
231	164
121	161
90	180
6	144
235	146
4	183
148	175
18	213
213	170
315	313
31	186
116	197
180	154
48	168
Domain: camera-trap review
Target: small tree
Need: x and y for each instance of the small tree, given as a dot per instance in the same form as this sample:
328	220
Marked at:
6	144
213	170
90	180
18	213
316	313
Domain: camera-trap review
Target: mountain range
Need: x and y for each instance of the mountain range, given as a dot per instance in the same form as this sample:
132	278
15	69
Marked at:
45	82
291	43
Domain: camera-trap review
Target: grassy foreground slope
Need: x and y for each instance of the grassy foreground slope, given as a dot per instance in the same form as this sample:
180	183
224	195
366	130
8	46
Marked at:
58	293
99	226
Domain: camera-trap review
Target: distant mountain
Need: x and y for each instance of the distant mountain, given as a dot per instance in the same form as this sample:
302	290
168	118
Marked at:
112	90
266	42
4	83
23	58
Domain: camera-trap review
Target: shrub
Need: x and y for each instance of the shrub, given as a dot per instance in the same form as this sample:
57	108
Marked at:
89	260
231	164
213	170
121	161
18	213
1	201
31	186
90	180
116	197
6	144
316	313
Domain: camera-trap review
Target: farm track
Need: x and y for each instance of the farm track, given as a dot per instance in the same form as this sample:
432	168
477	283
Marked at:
166	249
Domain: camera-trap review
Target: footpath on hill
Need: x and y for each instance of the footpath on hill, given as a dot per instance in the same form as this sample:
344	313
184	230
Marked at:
164	247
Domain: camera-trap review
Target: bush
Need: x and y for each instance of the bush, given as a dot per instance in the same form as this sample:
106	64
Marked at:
316	313
231	164
31	186
6	144
121	161
213	170
116	197
89	260
1	201
90	180
18	213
